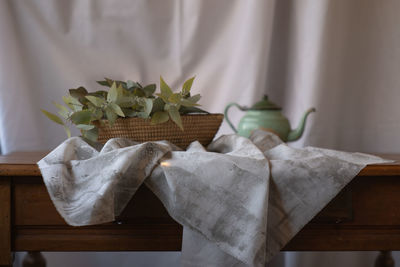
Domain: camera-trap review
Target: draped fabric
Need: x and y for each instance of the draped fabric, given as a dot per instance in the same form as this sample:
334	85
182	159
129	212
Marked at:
340	56
240	200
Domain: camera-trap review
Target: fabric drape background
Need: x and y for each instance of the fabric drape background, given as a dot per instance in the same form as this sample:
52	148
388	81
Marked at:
340	56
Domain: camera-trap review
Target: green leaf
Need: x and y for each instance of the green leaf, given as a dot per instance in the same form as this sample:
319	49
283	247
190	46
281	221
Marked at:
101	94
91	134
131	84
109	81
53	117
158	105
187	103
122	93
67	130
113	93
159	117
63	114
138	92
81	117
126	102
72	103
118	94
111	116
142	115
85	127
91	106
122	84
67	102
194	98
149	89
97	101
174	98
78	93
97	113
186	110
187	85
165	99
62	111
104	83
165	89
130	112
148	106
117	109
175	116
126	99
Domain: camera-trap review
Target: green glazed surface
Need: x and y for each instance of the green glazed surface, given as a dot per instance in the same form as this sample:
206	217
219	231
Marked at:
266	120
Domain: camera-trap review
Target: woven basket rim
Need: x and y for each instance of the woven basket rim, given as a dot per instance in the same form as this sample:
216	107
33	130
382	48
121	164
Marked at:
185	115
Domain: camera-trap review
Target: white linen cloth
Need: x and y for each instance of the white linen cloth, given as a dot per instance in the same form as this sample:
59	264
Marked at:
240	200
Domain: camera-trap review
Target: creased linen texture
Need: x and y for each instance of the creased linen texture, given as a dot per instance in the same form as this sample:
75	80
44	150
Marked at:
239	201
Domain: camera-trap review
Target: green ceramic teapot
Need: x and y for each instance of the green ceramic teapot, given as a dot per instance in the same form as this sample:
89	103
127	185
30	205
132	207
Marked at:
267	116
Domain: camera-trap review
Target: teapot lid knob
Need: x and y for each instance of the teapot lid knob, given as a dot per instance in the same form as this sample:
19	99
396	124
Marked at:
265	104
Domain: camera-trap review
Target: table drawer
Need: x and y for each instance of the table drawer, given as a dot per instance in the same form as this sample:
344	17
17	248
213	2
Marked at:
33	206
366	201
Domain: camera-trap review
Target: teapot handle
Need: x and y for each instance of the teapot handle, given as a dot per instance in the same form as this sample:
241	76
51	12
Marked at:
226	114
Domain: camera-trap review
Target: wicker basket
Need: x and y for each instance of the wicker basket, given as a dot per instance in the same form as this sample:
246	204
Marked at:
200	127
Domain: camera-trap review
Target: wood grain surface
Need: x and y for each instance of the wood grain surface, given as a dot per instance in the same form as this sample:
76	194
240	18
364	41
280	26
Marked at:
5	222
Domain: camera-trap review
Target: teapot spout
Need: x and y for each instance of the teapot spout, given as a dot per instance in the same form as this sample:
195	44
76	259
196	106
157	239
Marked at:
298	132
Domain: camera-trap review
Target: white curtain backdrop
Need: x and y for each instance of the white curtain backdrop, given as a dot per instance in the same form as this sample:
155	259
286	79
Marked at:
340	56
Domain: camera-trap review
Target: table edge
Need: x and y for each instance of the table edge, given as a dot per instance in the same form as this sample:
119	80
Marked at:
26	166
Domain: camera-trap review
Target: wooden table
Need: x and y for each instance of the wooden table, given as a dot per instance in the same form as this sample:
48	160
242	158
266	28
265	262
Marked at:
364	216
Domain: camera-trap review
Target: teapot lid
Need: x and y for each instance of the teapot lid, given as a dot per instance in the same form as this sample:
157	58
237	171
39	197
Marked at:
265	104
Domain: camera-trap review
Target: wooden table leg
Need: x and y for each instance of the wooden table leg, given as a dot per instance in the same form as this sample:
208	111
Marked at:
34	259
5	222
384	259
